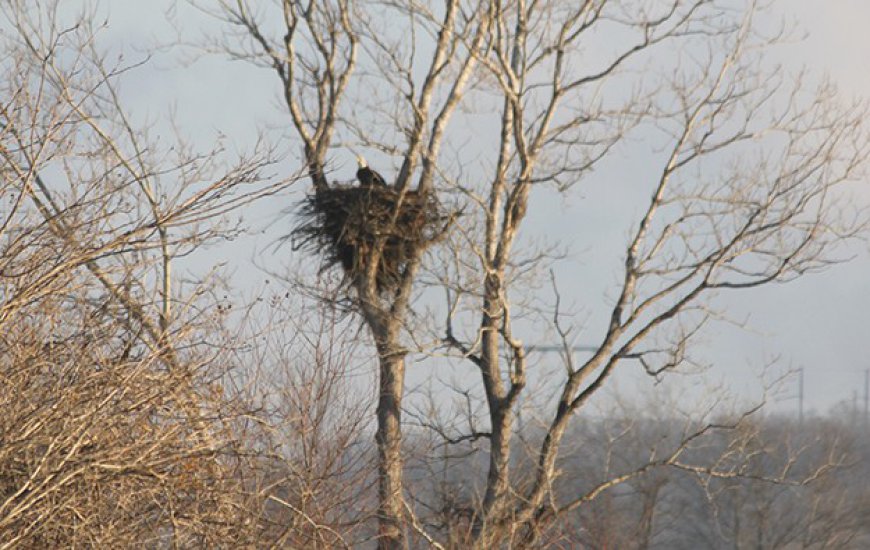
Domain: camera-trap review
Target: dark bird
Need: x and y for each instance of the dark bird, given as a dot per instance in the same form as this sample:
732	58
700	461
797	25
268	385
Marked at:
367	176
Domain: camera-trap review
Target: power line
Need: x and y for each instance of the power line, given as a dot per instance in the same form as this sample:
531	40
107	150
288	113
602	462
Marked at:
555	348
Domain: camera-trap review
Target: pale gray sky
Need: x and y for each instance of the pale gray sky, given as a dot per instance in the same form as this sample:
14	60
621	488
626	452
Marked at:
821	322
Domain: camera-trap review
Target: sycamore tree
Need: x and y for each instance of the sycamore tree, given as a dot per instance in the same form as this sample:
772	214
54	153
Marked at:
740	188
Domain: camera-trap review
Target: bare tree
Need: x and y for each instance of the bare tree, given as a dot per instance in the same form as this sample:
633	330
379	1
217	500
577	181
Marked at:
312	458
746	162
314	60
115	431
723	215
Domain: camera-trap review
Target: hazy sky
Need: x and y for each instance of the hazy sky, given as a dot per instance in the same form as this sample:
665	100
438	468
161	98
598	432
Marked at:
821	322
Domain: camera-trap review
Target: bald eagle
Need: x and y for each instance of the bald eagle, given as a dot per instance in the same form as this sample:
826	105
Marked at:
366	176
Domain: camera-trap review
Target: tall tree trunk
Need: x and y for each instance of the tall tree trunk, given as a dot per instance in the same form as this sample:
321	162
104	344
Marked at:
389	444
494	501
491	521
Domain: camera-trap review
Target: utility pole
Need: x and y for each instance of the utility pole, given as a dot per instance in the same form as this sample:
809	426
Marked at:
800	396
866	395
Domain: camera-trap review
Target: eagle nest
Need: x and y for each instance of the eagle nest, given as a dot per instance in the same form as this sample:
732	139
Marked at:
343	223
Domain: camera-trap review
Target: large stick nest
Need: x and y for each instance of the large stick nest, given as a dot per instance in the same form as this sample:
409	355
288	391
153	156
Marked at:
345	223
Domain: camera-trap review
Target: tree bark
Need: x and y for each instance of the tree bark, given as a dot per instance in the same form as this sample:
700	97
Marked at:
389	443
500	417
487	528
